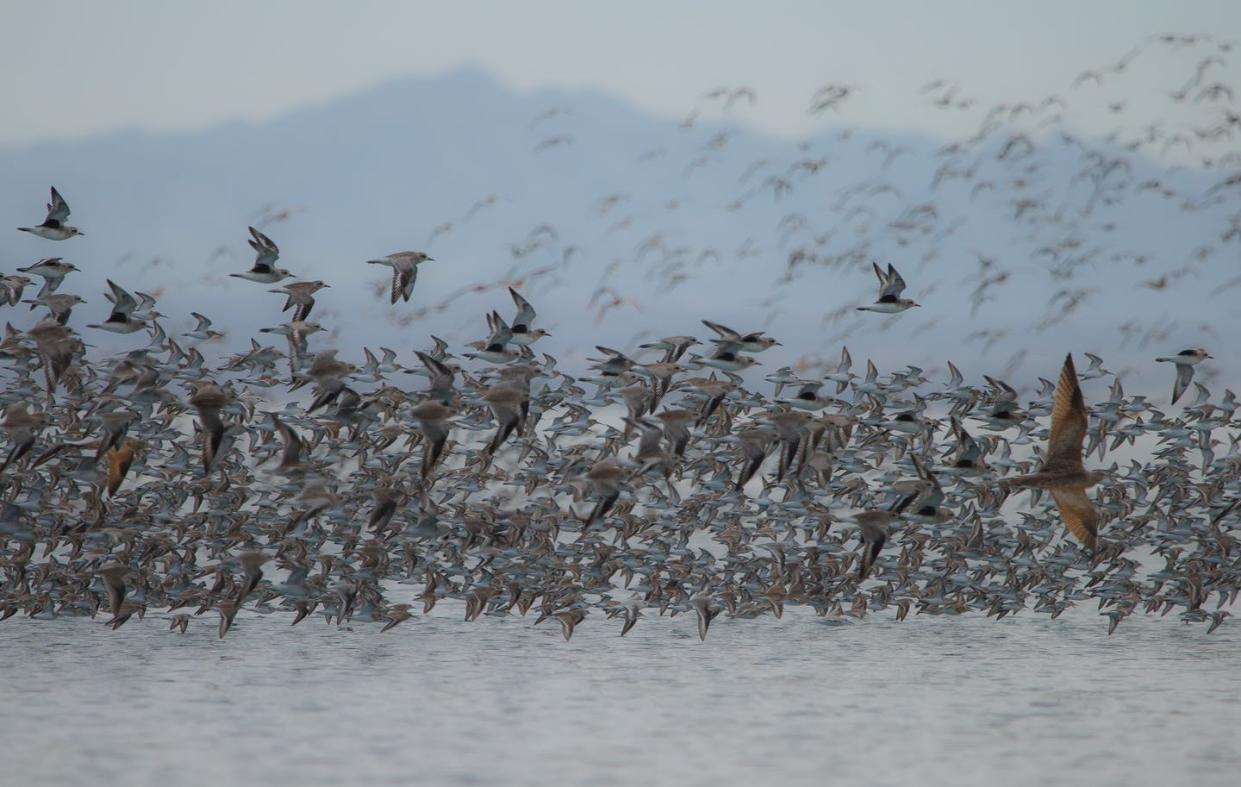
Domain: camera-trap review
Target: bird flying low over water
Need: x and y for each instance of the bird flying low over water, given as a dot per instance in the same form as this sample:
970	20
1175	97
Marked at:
1062	472
322	478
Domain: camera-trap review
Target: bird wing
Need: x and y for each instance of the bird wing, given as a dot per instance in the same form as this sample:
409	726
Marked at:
57	209
501	334
262	242
723	330
883	277
398	284
1068	419
809	390
649	443
292	452
932	495
433	366
122	302
891	284
525	312
1184	374
265	251
1078	513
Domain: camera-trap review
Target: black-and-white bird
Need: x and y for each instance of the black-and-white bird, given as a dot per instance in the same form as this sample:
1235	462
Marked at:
122	319
54	226
1185	362
523	330
266	253
891	285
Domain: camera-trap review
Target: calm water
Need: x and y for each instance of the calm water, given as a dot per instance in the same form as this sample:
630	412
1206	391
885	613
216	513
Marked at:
958	701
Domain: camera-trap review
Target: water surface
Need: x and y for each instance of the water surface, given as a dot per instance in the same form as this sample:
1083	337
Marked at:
946	700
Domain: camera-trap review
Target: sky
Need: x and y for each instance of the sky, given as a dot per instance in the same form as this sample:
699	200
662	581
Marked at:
76	67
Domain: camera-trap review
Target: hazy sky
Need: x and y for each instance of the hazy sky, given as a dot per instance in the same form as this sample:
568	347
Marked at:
76	67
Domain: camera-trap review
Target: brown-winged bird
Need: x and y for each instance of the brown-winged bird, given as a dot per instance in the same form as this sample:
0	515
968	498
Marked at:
1062	472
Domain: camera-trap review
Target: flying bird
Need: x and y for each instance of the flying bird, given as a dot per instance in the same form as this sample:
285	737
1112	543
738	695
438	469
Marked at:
404	265
266	253
1185	362
891	285
1062	472
54	226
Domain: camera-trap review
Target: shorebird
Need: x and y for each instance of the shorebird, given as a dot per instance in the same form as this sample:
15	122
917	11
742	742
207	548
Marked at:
266	253
52	270
293	447
209	399
22	426
505	400
891	285
122	318
755	342
674	347
59	305
202	329
11	289
727	358
1062	472
1185	362
873	532
432	420
495	349
54	226
612	370
120	459
705	611
404	265
522	330
112	575
605	477
300	297
396	614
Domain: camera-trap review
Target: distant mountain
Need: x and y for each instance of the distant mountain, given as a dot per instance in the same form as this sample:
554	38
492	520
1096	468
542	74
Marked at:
620	226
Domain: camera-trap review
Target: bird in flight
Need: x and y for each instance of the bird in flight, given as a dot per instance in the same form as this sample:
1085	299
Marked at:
1062	472
404	266
1185	362
54	226
891	285
265	255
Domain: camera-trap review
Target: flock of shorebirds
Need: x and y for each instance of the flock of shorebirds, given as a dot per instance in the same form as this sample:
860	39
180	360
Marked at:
288	479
